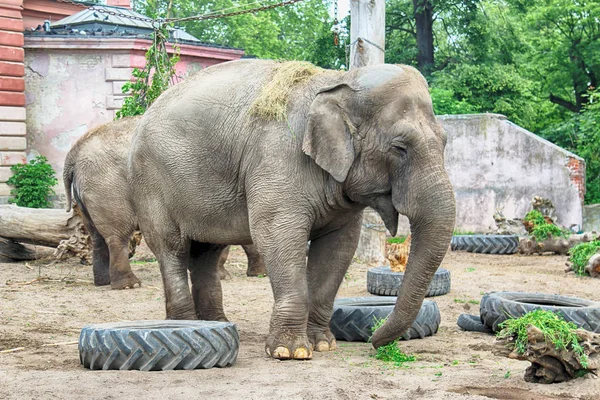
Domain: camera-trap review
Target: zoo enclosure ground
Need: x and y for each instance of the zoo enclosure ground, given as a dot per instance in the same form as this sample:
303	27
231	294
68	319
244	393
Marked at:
450	365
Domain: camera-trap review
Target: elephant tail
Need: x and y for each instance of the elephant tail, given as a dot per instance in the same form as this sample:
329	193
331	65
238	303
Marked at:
68	174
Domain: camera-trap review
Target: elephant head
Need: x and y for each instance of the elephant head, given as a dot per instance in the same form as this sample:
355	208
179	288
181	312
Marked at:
376	134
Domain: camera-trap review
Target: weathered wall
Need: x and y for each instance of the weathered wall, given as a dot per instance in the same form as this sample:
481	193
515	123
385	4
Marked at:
74	84
496	165
591	218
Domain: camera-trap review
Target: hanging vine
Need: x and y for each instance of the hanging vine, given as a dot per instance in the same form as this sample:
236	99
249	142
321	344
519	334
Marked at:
155	78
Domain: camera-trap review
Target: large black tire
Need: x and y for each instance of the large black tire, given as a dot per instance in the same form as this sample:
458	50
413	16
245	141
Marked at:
353	318
159	345
383	282
472	323
496	308
486	244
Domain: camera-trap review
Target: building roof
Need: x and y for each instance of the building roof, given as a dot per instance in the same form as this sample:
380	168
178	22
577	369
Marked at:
97	21
89	16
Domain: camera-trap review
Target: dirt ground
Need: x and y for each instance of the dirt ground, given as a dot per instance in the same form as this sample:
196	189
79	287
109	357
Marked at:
450	365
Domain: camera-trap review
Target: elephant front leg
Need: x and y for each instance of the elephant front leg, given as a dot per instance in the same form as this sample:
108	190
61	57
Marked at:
282	244
329	257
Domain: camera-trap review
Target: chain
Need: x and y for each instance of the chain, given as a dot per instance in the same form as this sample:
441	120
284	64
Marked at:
193	18
368	41
232	14
336	24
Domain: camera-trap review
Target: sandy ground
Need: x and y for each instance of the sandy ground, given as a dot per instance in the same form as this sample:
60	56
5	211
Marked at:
450	365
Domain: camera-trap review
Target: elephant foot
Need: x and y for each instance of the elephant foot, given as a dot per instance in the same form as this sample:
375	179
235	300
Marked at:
129	280
323	341
283	348
101	280
256	269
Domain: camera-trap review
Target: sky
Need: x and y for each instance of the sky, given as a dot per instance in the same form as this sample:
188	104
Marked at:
343	8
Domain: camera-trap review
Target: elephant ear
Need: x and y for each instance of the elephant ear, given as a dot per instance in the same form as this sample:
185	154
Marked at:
328	136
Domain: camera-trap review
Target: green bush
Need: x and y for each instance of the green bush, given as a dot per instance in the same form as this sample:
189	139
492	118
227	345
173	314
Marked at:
33	183
535	217
580	255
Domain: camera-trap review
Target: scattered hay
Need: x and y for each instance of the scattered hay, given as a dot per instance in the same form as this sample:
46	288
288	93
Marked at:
272	102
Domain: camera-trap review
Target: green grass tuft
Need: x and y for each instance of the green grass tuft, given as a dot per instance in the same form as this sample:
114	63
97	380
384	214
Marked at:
555	329
399	239
391	352
546	231
458	232
580	255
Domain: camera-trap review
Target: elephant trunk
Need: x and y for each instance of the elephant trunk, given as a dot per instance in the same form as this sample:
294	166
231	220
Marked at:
431	215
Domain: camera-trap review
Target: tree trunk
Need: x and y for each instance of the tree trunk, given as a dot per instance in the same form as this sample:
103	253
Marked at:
45	227
23	252
549	364
423	10
367	35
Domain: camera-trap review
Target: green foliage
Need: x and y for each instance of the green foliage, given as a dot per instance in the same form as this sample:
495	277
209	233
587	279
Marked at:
555	329
33	183
458	232
580	255
391	352
546	231
150	82
444	103
396	240
535	217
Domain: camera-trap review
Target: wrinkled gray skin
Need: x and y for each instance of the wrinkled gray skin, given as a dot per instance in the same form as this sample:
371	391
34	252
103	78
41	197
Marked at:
205	174
96	172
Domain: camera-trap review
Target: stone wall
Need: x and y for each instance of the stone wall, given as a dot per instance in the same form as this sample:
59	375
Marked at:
73	84
496	165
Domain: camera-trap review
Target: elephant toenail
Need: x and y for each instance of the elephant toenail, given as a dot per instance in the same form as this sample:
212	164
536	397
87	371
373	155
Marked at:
302	353
281	352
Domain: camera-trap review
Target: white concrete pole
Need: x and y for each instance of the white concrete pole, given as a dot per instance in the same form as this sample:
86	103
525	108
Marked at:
367	38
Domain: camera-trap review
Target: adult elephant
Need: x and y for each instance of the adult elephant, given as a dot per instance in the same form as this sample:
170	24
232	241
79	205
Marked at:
213	162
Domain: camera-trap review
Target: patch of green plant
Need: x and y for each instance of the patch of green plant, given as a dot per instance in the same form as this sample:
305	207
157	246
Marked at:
469	269
32	183
580	255
473	302
460	301
546	231
555	329
390	352
458	232
535	217
394	240
150	82
507	374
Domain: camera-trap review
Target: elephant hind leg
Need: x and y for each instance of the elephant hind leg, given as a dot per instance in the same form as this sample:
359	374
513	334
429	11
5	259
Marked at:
223	273
206	282
100	252
121	275
256	264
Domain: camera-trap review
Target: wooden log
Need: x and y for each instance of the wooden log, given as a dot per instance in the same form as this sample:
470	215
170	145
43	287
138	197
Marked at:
38	226
371	244
530	246
23	252
549	364
46	227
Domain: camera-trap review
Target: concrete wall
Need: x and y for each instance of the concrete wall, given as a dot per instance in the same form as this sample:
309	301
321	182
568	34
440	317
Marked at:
74	84
496	165
591	218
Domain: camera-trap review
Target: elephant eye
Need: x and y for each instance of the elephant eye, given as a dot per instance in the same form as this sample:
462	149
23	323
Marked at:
399	147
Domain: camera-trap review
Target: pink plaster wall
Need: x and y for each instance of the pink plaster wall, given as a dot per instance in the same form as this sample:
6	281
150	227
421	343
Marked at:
72	87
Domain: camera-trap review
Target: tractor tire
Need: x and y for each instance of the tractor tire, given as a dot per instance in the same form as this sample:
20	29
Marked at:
496	308
485	244
158	345
353	318
382	281
472	323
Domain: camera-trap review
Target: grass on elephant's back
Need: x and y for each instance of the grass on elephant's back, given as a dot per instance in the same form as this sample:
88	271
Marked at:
271	104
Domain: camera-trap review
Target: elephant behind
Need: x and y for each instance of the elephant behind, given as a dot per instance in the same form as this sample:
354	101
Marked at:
278	154
95	174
